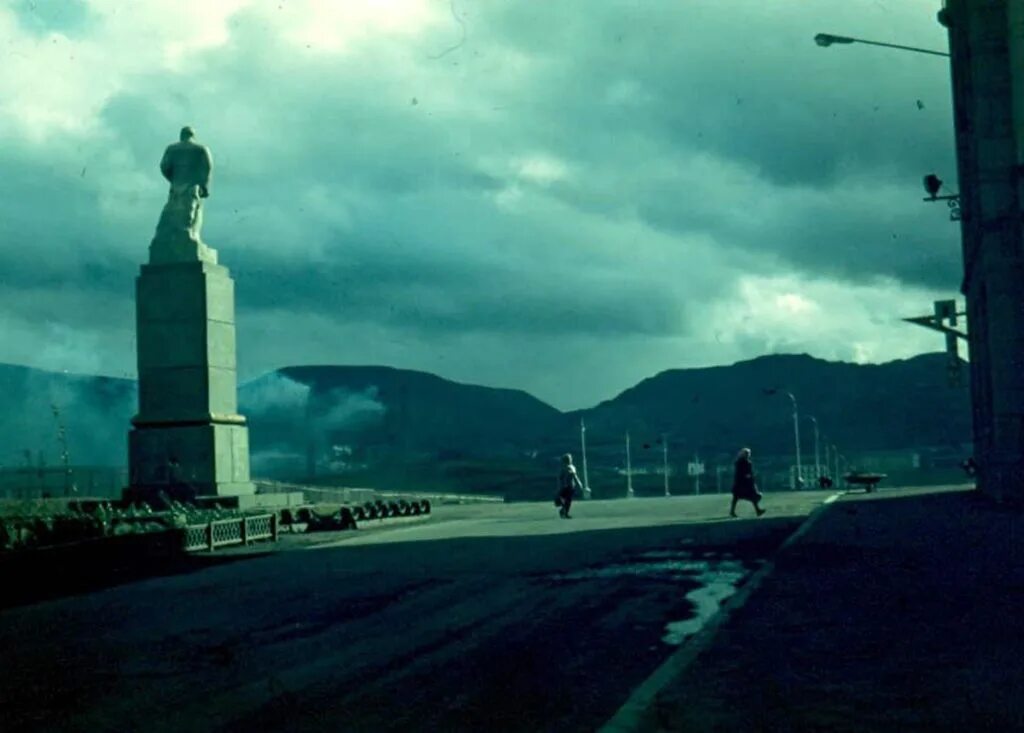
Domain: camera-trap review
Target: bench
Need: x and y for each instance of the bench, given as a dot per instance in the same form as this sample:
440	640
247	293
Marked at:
868	480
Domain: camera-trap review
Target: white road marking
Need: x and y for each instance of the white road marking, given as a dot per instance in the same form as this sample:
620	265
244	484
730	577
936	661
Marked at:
632	714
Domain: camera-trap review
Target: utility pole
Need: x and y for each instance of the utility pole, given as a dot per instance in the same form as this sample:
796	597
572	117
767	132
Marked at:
62	439
796	431
817	455
796	438
664	454
629	471
583	452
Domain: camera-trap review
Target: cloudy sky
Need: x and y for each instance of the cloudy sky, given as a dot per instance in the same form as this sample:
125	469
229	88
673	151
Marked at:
564	197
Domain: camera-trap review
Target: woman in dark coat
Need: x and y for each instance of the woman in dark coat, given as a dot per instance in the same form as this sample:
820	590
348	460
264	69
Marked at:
743	486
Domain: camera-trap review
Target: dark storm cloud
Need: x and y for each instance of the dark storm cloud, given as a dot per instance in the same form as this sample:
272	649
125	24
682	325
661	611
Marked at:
427	298
60	260
744	81
677	94
642	84
141	123
407	234
564	173
53	237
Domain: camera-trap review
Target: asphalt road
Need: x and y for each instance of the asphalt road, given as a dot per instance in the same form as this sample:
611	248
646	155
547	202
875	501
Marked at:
485	617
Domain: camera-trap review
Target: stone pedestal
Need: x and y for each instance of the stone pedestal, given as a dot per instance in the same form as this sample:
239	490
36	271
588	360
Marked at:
188	437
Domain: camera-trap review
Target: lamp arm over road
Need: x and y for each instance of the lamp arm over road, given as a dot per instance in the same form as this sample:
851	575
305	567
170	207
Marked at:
827	39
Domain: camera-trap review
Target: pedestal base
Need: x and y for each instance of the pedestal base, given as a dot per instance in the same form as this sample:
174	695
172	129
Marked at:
201	459
188	440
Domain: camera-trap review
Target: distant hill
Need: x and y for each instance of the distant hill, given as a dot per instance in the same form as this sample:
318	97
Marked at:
379	415
406	429
902	404
94	411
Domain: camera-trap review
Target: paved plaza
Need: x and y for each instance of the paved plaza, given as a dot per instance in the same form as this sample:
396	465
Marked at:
499	617
886	611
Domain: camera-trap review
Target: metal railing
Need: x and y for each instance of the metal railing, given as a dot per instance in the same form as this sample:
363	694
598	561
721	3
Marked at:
361	495
235	531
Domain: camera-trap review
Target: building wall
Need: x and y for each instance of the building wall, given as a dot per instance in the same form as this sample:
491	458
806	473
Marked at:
987	66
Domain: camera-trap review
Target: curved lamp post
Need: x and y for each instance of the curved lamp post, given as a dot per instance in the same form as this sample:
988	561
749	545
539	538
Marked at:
629	471
827	39
796	430
817	453
583	452
796	439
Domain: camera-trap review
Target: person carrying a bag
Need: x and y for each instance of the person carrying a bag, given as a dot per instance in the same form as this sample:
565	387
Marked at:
568	485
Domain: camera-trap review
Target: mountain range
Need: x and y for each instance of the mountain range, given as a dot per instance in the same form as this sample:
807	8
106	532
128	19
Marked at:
364	425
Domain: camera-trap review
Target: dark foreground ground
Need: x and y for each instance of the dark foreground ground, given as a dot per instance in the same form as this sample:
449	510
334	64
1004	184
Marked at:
499	619
893	613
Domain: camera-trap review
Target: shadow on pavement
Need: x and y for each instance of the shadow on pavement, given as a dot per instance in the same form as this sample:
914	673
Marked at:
894	613
32	576
562	657
458	635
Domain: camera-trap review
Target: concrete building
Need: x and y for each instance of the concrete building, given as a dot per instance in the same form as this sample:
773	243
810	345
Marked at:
986	41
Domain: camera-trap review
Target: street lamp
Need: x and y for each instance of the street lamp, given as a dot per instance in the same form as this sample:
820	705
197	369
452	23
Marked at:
932	183
796	439
583	453
827	39
629	471
817	455
796	431
664	458
932	186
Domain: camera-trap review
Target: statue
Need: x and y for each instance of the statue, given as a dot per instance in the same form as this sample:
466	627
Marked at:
187	166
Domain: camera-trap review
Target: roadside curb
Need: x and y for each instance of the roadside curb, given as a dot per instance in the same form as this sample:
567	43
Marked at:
633	713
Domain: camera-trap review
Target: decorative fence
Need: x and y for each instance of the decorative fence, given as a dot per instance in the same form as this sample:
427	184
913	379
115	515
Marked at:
234	531
352	495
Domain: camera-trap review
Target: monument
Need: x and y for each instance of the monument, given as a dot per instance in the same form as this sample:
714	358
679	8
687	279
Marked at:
188	440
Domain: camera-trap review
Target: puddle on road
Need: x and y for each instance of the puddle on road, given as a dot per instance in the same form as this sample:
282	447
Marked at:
716	577
716	585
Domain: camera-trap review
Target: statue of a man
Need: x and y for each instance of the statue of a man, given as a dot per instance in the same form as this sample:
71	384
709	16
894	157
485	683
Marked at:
187	165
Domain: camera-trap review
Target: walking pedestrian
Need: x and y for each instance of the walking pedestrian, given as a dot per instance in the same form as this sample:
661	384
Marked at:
743	485
568	484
